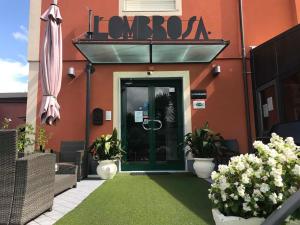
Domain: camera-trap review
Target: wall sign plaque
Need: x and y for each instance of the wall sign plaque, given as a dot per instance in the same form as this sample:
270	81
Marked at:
198	94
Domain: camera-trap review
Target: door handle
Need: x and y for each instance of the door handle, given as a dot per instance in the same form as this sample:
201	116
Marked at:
157	121
160	124
144	127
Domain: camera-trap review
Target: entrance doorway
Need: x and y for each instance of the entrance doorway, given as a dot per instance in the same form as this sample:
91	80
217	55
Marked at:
152	124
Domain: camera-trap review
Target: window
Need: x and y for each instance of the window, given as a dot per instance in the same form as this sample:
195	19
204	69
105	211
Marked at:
150	7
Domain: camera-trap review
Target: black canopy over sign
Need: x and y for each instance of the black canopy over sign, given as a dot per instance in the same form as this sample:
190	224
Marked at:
145	40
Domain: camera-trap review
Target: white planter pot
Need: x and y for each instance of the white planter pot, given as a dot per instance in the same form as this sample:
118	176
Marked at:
106	169
220	219
203	167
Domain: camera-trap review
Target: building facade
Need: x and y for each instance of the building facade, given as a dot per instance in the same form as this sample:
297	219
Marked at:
146	75
13	106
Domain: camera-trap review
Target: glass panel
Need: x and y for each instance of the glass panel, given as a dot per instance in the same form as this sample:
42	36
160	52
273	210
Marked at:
166	125
109	53
291	91
185	53
269	108
137	136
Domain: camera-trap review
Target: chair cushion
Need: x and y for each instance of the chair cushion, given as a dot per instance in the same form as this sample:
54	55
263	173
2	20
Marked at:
64	182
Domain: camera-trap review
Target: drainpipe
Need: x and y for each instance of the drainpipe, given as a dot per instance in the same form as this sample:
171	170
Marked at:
245	78
89	70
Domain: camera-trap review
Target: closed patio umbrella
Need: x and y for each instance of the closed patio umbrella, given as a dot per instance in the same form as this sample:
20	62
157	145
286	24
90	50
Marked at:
51	64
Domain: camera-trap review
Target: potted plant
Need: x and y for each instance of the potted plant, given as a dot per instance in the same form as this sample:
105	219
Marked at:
42	139
252	186
203	144
106	149
25	138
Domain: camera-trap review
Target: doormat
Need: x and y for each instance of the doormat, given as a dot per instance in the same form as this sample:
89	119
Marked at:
148	173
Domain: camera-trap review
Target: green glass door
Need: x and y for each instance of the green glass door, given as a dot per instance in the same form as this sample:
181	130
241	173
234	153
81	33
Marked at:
152	125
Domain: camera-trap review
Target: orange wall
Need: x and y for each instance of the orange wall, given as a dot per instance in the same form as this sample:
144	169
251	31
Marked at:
225	104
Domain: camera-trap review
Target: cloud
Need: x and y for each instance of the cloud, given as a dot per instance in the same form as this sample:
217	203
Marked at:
13	76
21	35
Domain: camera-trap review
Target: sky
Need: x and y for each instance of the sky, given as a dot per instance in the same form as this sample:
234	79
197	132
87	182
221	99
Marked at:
14	67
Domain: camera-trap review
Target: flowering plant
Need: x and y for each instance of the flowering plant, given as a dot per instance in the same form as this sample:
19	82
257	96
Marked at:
107	147
255	185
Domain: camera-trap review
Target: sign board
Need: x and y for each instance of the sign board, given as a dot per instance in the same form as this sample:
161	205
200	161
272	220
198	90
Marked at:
138	116
143	28
199	104
198	94
265	110
270	104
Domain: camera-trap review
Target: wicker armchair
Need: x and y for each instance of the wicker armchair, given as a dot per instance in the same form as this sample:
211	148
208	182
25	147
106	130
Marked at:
27	190
73	152
65	177
8	163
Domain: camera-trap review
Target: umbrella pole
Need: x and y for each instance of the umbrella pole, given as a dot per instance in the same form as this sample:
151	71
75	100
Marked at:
89	70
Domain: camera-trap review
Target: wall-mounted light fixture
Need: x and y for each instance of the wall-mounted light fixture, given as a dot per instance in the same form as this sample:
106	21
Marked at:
216	70
71	72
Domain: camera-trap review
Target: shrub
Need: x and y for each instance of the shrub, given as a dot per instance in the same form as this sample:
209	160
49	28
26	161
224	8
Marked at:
255	185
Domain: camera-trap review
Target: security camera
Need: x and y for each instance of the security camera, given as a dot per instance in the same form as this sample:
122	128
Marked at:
149	73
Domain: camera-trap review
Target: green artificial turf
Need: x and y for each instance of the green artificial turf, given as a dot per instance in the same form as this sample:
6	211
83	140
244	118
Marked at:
173	199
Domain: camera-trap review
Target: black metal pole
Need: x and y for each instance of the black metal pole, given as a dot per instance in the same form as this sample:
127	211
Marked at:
90	33
89	67
245	78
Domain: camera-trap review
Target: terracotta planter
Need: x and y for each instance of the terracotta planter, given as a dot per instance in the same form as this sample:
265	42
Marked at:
106	169
203	167
220	219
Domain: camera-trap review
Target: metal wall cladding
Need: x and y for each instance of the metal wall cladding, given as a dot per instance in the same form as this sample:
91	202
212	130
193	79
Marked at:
279	56
264	64
288	52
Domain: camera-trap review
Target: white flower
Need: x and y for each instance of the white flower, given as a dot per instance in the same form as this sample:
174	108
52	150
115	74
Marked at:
256	192
278	182
272	162
264	188
290	154
235	197
257	173
241	190
246	207
245	178
240	166
223	183
247	198
292	190
296	170
273	198
214	175
224	197
280	196
223	168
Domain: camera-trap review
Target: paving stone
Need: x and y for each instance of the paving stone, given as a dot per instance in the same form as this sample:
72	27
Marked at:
67	201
